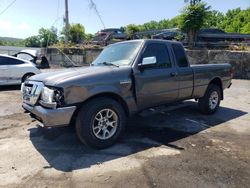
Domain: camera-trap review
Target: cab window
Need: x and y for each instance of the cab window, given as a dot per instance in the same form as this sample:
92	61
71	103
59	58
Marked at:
180	55
159	51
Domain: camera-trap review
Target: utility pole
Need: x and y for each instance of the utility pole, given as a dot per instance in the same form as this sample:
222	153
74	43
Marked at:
66	20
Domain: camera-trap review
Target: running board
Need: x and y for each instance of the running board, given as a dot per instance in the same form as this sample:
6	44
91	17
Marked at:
165	108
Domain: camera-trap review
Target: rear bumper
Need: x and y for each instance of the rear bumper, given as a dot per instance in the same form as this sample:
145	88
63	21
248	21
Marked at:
51	117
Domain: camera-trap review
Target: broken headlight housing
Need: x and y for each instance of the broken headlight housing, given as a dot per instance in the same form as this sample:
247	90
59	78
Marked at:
52	97
47	95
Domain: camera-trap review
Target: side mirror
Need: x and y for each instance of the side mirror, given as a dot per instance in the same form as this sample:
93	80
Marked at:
148	62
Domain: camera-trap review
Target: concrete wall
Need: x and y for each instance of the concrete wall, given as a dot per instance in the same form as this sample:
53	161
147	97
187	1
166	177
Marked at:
240	60
78	56
11	50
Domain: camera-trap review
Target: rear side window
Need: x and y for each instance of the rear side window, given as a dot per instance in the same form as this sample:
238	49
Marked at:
3	61
9	61
180	55
160	52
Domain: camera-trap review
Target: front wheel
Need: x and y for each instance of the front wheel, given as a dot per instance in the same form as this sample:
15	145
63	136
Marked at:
100	123
210	102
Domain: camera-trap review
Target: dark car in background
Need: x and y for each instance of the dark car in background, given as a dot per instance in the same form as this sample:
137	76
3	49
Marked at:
170	35
115	32
211	31
218	35
105	36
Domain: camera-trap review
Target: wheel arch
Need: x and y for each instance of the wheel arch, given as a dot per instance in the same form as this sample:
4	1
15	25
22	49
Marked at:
217	81
26	74
110	95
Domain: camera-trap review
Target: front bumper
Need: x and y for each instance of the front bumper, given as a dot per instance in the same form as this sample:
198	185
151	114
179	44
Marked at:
51	117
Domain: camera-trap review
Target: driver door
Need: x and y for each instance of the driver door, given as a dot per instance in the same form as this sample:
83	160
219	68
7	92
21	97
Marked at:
158	84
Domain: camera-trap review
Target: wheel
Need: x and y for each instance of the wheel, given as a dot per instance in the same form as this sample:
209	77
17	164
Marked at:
100	123
26	76
210	102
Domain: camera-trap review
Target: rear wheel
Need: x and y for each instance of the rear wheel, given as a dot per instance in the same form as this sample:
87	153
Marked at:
100	123
26	76
210	102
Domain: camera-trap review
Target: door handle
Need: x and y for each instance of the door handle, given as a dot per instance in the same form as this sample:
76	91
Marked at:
173	74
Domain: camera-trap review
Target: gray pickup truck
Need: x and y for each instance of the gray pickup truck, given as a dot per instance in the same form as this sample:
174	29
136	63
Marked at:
125	79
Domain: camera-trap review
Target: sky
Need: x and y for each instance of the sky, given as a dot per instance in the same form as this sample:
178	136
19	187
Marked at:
25	17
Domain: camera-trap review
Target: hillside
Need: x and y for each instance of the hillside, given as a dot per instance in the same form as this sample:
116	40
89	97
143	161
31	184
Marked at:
10	39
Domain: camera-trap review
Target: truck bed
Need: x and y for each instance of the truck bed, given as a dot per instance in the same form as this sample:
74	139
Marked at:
204	73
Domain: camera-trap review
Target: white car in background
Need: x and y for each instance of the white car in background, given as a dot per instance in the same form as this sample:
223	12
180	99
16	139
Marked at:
14	71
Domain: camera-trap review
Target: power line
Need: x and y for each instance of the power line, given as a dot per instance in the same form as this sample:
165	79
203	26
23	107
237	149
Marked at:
57	12
92	5
55	24
7	7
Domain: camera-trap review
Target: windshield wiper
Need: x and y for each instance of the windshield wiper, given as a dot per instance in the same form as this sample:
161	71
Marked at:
110	64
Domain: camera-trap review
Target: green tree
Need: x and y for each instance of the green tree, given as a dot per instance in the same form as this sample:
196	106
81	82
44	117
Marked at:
47	36
151	25
163	24
32	41
246	25
192	2
214	19
76	33
237	20
44	38
174	22
192	19
89	36
132	29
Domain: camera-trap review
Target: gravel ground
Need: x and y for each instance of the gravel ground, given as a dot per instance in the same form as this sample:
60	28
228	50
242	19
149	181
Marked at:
181	148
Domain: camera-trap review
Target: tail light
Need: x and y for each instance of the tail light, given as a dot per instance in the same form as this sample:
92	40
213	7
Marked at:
231	72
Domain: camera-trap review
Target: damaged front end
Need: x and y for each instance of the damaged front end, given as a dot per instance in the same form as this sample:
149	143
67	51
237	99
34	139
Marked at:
46	104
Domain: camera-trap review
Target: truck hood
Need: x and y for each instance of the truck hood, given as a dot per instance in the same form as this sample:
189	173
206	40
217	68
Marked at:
53	78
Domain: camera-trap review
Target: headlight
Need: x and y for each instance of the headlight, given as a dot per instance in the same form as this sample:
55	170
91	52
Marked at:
52	97
47	95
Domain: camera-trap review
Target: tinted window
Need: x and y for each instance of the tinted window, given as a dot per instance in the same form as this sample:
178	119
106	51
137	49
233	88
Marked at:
180	55
9	61
3	61
160	52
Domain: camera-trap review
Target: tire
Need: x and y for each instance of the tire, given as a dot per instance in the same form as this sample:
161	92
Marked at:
91	123
26	76
210	102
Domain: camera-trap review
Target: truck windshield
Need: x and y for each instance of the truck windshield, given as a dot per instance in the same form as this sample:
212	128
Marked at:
120	54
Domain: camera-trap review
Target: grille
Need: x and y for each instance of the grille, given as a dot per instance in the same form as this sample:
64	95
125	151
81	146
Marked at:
31	92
